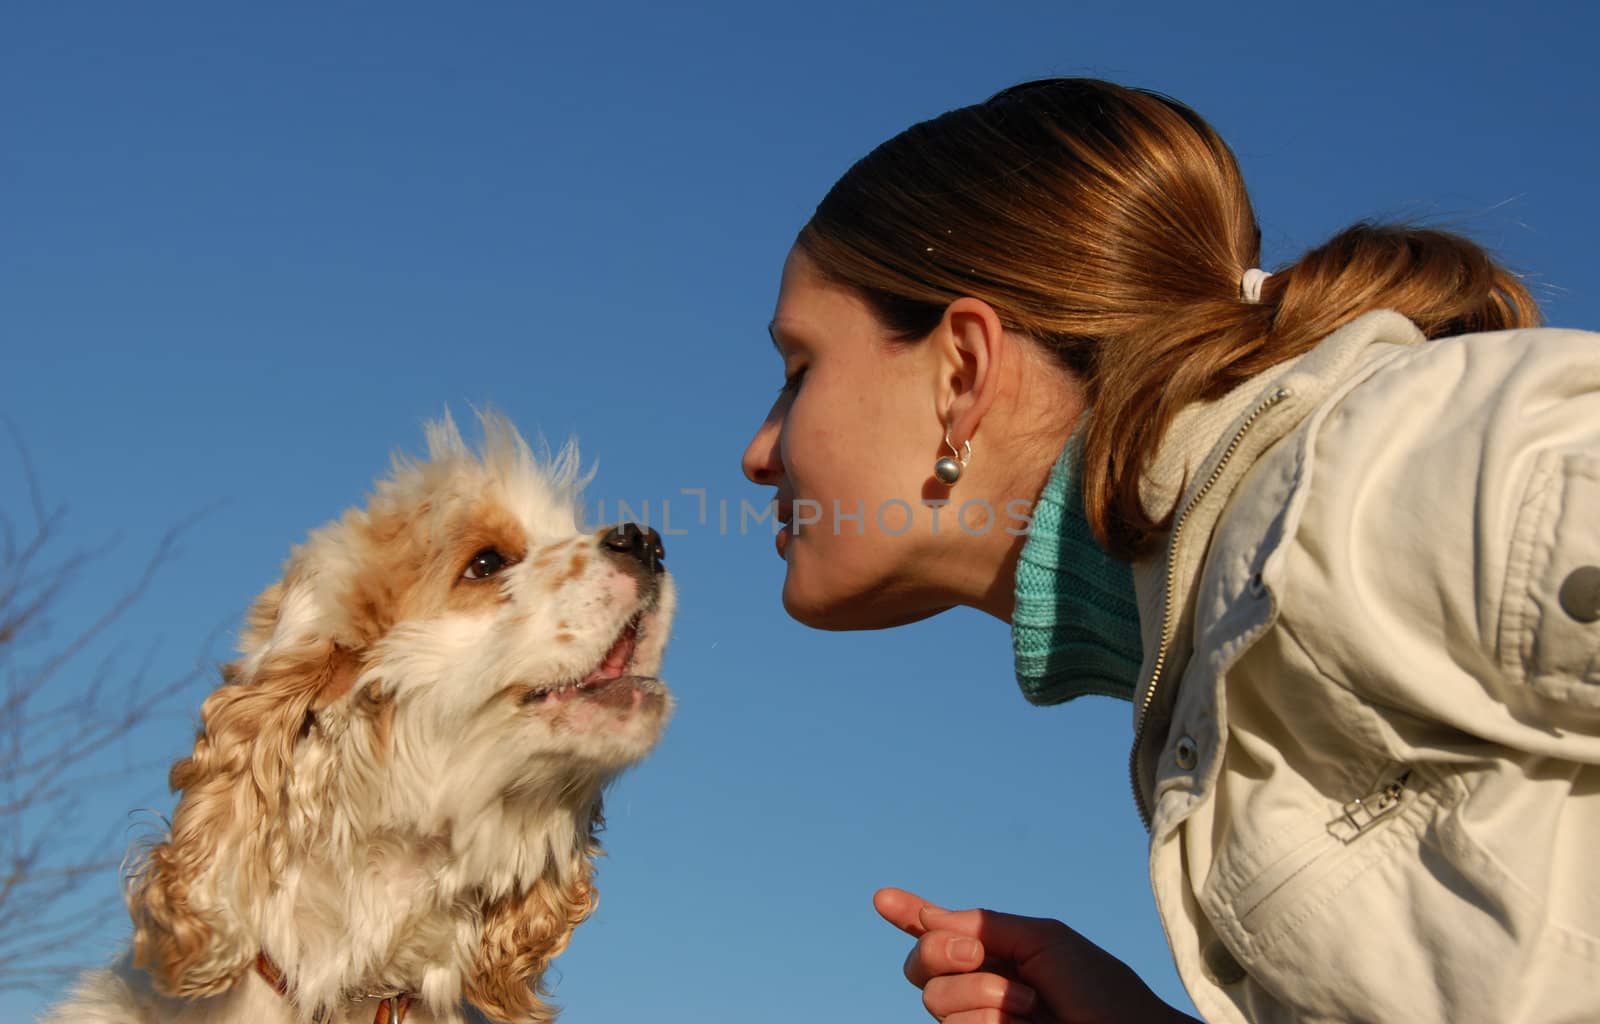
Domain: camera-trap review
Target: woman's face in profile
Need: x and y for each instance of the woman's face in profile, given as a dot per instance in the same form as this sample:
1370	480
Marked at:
849	444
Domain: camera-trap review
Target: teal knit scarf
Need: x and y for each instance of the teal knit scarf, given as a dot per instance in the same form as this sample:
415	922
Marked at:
1075	629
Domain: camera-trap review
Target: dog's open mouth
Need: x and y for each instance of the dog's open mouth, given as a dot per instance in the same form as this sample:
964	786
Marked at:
613	668
617	659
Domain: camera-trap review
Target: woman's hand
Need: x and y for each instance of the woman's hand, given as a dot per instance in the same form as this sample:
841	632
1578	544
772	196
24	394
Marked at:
983	967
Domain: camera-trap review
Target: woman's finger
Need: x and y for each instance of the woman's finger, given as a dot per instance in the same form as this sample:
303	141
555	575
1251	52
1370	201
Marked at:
903	909
1008	936
939	953
947	996
985	1017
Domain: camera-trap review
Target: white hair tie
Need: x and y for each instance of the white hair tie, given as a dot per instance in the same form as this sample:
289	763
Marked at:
1250	284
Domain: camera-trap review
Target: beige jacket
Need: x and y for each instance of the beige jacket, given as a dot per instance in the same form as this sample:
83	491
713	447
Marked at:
1369	718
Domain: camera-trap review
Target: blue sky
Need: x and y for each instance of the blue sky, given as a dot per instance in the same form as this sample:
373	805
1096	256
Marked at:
246	251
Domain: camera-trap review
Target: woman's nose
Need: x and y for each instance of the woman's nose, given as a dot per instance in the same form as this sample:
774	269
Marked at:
760	462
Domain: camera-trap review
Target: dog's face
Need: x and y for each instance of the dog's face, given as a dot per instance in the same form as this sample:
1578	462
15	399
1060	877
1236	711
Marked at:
460	668
500	649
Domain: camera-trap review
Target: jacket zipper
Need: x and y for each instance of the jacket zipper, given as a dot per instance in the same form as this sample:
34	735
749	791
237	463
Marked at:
1143	718
1363	812
1356	818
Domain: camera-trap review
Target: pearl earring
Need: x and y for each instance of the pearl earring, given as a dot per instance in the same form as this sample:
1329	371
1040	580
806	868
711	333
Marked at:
948	469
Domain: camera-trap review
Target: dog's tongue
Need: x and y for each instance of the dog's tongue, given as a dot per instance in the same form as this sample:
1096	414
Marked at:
616	660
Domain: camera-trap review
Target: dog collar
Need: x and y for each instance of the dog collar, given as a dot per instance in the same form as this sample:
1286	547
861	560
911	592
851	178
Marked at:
391	1009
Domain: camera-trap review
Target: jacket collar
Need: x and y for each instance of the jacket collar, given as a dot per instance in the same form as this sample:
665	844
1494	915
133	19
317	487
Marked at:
1205	454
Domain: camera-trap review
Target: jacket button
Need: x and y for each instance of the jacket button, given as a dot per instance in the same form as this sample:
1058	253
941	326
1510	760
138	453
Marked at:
1580	594
1220	964
1187	753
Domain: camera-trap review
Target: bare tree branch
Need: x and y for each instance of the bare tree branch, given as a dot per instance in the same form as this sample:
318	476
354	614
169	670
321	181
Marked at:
55	719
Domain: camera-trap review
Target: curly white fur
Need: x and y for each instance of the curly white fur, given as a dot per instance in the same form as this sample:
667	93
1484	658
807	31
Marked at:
397	786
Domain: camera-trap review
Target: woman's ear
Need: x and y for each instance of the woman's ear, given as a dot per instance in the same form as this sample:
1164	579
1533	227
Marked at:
971	350
196	899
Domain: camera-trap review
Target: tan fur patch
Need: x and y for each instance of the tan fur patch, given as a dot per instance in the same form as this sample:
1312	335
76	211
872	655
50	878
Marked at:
522	933
516	693
262	618
379	709
233	780
415	564
341	673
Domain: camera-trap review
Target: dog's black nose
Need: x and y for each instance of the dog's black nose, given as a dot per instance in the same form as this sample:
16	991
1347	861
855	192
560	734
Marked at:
644	545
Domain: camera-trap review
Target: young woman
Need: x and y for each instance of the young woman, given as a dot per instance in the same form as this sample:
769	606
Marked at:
1332	530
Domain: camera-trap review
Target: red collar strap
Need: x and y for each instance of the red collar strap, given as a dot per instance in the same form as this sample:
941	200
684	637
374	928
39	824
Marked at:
391	1010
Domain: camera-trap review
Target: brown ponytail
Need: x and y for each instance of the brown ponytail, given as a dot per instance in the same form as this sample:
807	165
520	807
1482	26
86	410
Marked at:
1111	226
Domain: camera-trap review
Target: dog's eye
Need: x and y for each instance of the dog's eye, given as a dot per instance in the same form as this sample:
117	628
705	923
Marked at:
485	564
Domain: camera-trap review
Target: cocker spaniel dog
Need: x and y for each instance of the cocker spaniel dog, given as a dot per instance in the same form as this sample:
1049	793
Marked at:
392	803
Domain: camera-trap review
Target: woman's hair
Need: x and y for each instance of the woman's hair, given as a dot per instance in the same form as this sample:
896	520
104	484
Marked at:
1111	226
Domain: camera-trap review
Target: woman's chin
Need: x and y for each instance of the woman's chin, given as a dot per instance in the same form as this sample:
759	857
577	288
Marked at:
857	610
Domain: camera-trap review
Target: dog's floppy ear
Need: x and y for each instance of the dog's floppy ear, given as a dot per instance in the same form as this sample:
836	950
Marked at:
522	933
196	898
